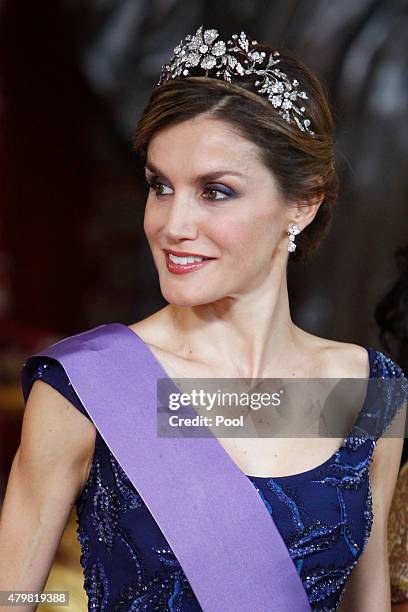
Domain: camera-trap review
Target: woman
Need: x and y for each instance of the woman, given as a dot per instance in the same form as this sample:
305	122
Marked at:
241	176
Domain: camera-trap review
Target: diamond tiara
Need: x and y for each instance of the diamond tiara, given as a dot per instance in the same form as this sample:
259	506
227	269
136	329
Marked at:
239	57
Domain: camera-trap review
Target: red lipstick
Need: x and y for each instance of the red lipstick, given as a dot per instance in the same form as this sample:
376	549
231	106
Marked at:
178	268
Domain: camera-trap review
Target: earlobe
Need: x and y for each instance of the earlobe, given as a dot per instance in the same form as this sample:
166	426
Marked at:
306	210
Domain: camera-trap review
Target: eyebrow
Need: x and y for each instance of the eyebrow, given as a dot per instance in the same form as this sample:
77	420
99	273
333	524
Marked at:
202	177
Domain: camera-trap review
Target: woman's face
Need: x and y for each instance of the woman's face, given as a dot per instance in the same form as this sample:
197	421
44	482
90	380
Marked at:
211	197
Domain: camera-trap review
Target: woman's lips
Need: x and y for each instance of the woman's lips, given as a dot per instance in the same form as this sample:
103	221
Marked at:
176	268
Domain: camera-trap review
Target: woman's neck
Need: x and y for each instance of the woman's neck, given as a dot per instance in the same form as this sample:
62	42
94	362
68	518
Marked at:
245	335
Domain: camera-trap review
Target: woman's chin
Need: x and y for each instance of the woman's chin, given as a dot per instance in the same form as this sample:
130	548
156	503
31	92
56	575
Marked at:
185	298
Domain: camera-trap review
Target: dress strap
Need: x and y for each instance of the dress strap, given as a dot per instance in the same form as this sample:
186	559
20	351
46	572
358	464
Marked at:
51	371
387	395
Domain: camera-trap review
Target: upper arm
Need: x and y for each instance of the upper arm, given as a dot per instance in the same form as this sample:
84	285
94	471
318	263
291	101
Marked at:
48	471
368	587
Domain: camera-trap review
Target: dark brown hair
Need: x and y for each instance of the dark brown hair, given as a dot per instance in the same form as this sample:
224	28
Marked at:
302	165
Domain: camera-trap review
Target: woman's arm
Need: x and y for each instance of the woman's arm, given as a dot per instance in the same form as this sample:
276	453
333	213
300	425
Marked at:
368	587
48	473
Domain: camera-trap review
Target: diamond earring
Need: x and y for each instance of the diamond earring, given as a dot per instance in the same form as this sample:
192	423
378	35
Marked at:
293	230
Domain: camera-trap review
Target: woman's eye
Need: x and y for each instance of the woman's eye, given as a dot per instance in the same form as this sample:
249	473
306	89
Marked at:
212	192
158	187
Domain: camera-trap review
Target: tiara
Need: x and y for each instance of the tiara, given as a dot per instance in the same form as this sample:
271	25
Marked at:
239	57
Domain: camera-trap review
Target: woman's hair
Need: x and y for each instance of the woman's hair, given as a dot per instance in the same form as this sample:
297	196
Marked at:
302	165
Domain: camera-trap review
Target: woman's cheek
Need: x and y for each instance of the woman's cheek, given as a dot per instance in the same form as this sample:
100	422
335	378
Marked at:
152	222
233	234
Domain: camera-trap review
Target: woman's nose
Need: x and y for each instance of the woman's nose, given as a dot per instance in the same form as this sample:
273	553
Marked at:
181	221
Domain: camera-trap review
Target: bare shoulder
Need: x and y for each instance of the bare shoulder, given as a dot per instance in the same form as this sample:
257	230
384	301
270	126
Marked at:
351	360
340	359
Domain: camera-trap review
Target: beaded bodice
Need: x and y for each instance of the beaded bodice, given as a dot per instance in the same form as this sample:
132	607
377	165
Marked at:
324	516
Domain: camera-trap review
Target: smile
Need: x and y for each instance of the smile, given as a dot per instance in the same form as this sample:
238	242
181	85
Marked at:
183	265
184	260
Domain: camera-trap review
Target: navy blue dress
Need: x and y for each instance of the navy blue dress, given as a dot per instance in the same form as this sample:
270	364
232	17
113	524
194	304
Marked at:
324	516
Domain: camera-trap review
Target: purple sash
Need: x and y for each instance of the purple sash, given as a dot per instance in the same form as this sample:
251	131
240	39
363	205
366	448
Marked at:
208	510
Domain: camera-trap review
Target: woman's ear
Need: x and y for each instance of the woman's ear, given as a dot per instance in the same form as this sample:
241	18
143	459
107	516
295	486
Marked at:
305	210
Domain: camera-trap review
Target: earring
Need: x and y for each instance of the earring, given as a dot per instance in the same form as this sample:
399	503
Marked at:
293	230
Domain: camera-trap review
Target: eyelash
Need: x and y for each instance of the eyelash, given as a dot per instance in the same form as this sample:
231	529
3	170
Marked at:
153	184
